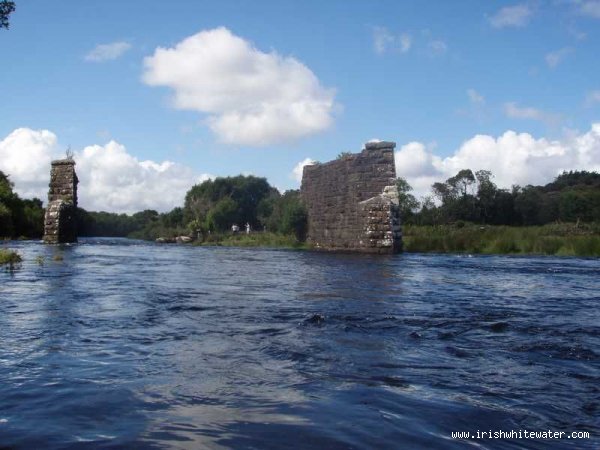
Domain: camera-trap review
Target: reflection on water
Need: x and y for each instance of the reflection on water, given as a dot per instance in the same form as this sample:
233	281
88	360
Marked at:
125	343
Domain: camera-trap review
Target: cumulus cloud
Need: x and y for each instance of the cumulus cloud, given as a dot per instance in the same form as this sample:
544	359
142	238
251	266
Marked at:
514	111
25	156
384	41
512	16
299	168
513	158
418	164
107	52
111	179
553	59
250	97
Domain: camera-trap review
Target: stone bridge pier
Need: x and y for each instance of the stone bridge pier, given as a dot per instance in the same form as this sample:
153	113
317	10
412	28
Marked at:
352	202
60	221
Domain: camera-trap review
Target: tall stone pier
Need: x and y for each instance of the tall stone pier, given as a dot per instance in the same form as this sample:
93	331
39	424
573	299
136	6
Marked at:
352	202
60	222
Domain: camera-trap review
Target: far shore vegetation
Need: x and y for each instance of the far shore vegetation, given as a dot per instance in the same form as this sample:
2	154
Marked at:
565	239
467	213
258	239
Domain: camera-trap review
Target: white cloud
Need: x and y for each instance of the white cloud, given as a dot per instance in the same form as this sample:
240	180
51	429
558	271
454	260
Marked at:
251	97
25	156
110	179
299	168
513	158
514	111
113	180
553	59
592	98
405	42
384	41
590	8
419	166
475	97
476	109
438	47
512	16
107	52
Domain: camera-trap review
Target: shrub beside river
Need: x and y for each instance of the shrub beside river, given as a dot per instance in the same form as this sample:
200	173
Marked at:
9	258
552	239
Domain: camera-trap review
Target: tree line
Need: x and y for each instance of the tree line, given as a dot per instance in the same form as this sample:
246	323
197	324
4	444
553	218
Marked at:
469	196
19	217
215	205
210	207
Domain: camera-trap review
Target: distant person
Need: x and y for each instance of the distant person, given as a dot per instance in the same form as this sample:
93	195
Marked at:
247	228
234	228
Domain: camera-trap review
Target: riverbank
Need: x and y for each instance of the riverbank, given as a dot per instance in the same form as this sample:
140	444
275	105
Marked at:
554	239
259	239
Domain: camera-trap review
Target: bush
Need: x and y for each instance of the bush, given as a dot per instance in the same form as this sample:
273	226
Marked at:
10	258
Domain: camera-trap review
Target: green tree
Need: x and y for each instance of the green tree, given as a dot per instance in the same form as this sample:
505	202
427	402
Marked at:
294	217
173	218
573	206
527	205
6	224
461	183
6	9
429	213
486	195
30	219
224	214
6	186
246	191
456	196
407	202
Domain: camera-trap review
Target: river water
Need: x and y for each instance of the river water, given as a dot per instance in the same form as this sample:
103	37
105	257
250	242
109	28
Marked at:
126	344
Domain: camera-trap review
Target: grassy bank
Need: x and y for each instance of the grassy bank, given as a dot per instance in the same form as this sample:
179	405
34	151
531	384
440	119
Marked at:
9	257
253	240
554	239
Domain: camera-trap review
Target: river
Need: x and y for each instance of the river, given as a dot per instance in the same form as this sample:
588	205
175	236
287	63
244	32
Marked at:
115	343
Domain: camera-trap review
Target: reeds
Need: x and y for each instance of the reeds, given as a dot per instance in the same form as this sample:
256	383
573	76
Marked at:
554	239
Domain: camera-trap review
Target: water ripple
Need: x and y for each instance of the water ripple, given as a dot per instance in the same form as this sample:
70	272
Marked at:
123	343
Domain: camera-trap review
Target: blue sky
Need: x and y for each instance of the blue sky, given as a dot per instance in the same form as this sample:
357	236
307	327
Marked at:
510	85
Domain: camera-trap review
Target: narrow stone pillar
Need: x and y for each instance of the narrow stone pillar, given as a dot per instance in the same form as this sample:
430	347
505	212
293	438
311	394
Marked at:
60	222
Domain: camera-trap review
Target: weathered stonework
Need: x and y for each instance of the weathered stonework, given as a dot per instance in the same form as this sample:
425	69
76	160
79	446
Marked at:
352	202
60	221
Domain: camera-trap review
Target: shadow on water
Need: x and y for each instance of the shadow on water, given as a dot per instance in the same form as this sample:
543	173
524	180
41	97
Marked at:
126	343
